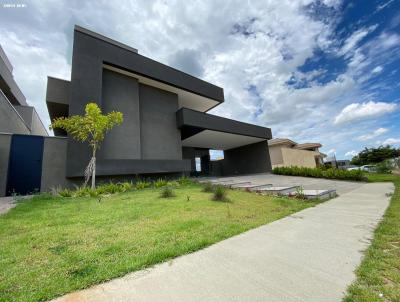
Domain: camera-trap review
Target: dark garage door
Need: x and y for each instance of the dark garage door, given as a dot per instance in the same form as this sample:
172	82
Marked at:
25	164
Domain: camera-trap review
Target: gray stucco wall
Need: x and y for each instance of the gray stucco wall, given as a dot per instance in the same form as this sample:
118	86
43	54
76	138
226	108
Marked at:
5	144
121	93
54	163
32	119
253	158
160	137
10	120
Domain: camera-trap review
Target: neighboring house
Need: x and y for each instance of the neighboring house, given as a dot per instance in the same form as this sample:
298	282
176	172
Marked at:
16	116
285	153
166	125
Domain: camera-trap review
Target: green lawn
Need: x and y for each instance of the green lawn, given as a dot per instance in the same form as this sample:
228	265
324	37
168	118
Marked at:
51	246
378	277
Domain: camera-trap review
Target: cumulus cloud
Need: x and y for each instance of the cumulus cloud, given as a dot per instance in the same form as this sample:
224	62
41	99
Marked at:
372	135
391	141
359	111
254	50
351	153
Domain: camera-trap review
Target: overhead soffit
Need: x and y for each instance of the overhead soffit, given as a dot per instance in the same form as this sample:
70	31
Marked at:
219	140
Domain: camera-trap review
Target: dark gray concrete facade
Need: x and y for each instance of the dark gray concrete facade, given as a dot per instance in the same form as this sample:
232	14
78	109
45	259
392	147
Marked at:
249	159
156	122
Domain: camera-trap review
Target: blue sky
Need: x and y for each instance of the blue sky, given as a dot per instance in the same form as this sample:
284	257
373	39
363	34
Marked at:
314	71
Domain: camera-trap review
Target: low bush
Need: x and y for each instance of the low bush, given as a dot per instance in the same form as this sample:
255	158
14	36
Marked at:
142	184
208	187
106	188
167	192
160	183
183	181
330	173
220	193
385	167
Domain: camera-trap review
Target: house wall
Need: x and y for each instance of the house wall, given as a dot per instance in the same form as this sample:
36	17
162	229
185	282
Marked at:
10	120
253	158
121	93
159	136
32	120
275	154
299	158
54	163
5	144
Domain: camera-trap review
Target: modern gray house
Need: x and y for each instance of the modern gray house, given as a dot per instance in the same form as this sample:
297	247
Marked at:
166	125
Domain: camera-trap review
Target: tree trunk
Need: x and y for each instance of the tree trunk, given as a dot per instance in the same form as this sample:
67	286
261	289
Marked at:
94	170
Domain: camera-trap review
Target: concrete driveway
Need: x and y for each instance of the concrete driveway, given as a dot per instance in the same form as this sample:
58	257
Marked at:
306	182
309	256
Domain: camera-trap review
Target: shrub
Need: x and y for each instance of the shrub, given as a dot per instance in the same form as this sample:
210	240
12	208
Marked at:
300	193
184	181
112	188
142	184
220	193
63	192
384	167
81	191
160	183
208	187
167	192
329	173
173	184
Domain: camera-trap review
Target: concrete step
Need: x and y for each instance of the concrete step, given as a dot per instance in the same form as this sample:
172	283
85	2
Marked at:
251	187
233	183
277	190
314	194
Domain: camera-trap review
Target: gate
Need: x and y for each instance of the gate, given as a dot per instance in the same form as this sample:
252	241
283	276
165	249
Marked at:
25	164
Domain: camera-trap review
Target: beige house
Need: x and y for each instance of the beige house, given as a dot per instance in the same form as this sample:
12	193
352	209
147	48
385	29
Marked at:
285	153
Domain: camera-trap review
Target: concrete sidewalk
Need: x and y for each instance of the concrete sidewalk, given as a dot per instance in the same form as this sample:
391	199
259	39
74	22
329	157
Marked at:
309	256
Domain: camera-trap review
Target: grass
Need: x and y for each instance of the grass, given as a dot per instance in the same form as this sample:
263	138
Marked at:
378	276
53	245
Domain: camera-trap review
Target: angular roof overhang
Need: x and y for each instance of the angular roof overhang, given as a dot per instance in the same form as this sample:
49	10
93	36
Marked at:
193	92
202	130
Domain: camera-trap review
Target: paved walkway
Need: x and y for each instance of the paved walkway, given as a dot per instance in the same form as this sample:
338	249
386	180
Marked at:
309	256
7	203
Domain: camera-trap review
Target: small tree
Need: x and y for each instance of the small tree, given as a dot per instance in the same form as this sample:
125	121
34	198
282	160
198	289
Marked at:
91	128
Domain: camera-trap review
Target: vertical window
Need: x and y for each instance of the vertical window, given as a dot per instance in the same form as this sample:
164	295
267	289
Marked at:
198	164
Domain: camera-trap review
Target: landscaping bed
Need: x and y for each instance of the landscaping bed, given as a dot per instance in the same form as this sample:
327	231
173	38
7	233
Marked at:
54	245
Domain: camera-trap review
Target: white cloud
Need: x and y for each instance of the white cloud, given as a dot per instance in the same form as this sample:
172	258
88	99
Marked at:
359	111
351	153
351	42
331	151
372	135
377	69
391	141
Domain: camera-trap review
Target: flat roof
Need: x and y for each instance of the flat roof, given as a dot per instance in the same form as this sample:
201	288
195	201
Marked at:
103	38
202	130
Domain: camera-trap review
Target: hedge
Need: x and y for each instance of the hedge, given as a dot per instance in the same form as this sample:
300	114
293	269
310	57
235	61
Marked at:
330	173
